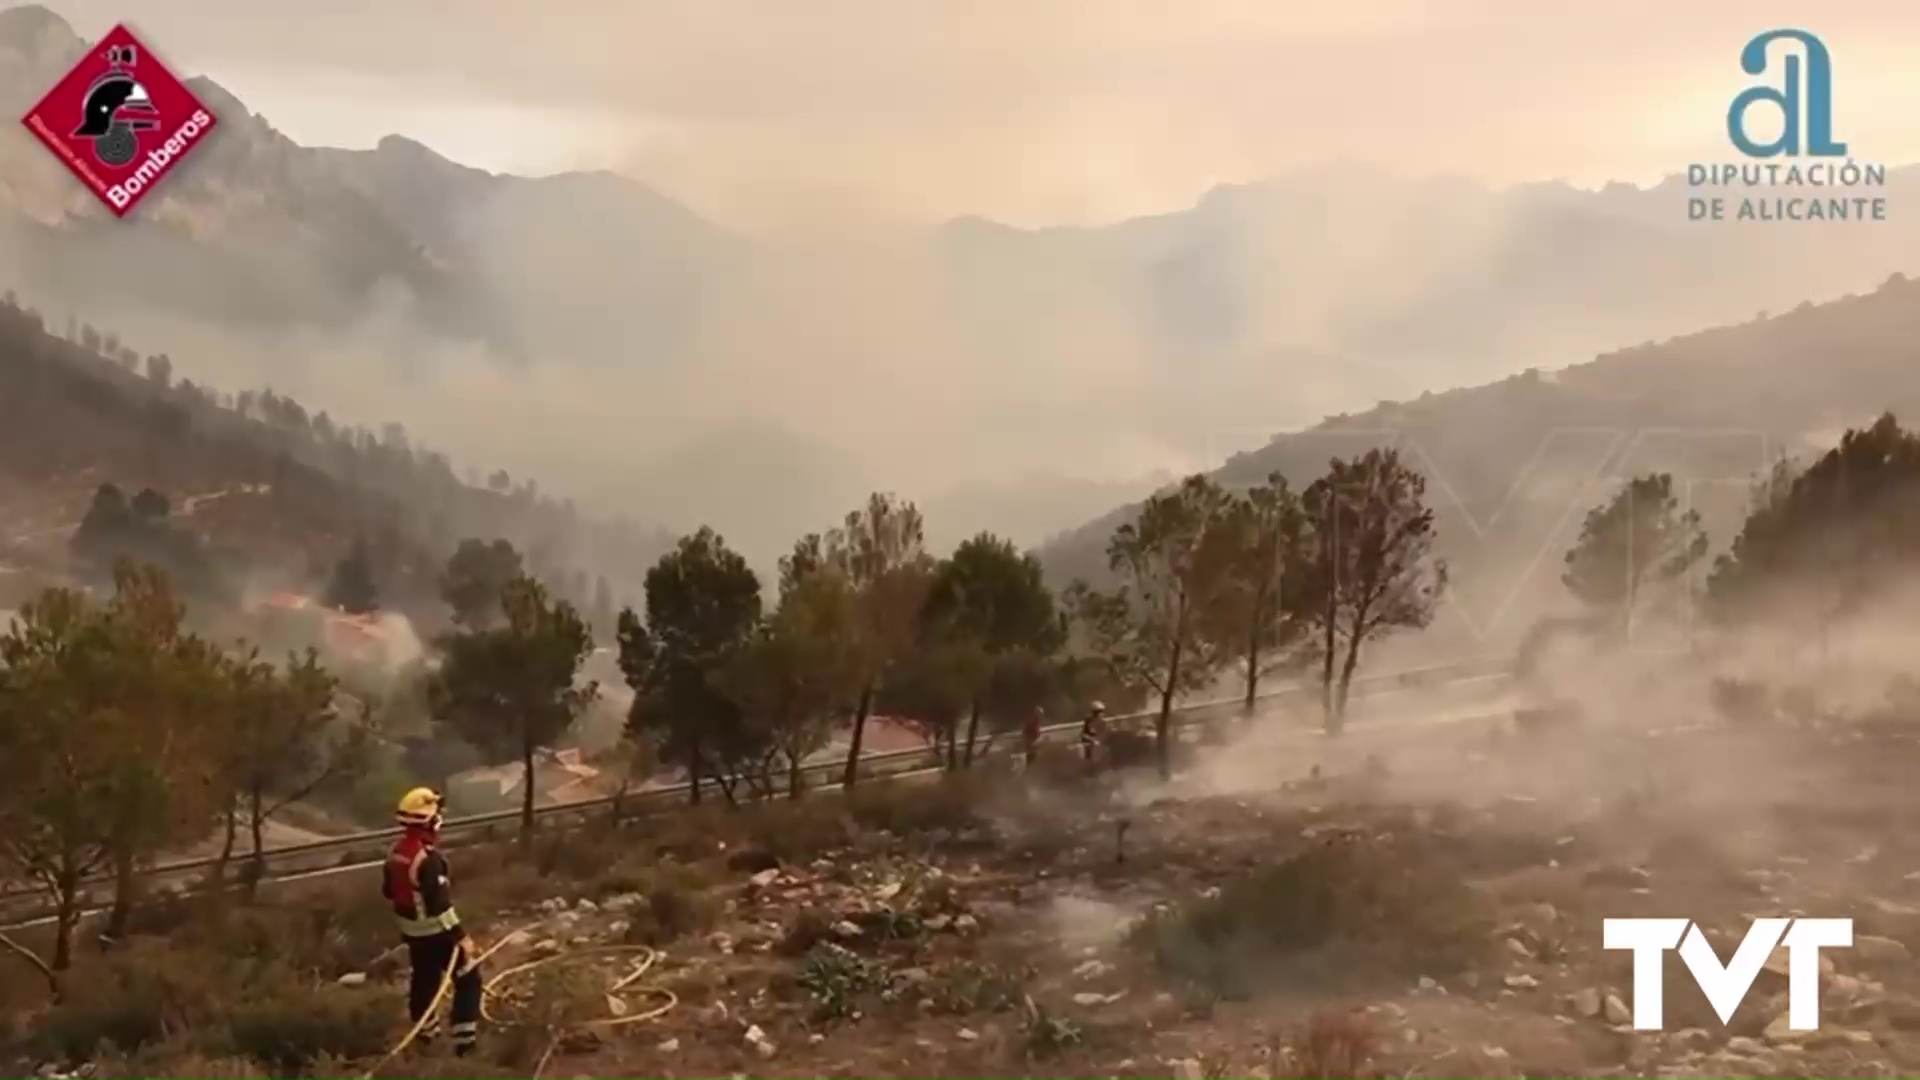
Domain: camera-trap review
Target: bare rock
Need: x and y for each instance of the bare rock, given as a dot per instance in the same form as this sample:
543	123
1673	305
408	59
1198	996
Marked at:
765	877
1778	1031
353	978
1185	1069
1616	1010
1522	982
1587	1002
758	1040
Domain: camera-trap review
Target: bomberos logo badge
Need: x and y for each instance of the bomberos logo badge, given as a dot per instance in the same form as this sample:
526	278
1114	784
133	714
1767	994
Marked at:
120	120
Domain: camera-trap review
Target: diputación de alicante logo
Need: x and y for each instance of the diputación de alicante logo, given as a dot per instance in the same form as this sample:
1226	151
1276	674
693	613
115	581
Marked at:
120	120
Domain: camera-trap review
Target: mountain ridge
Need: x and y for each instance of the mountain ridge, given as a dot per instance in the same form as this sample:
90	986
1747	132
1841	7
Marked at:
1513	464
1263	306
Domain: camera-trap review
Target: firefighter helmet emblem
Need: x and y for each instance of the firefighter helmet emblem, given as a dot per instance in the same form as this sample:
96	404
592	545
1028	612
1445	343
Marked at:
115	107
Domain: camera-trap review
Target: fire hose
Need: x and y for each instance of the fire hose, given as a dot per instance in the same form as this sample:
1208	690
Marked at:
648	956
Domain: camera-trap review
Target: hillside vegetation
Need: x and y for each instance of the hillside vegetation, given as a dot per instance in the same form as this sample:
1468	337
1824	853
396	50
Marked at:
279	495
1512	464
797	923
1259	308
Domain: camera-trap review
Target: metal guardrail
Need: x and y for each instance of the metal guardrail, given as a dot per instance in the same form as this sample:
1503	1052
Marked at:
916	759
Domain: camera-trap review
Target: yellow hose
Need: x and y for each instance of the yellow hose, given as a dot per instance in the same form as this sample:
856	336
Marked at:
490	990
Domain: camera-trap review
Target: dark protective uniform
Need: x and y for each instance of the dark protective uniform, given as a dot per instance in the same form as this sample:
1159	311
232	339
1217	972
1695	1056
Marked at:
1092	730
416	883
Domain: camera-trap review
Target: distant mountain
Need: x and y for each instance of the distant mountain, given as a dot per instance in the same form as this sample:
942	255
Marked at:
1402	285
1261	308
1514	465
255	229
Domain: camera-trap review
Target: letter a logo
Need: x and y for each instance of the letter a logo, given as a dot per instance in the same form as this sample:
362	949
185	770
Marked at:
1787	97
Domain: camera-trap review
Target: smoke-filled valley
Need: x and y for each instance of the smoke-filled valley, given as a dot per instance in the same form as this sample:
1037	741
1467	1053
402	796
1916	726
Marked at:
1268	637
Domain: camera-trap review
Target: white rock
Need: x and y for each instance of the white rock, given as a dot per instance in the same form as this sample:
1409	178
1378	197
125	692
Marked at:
1092	969
1522	981
1587	1002
845	929
668	1046
1089	999
1617	1011
937	923
1779	1031
353	978
759	1041
765	878
586	906
1519	949
1185	1068
966	924
966	1035
888	891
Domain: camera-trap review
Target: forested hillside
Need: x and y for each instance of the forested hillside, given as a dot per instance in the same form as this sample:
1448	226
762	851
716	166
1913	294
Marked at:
1512	463
275	494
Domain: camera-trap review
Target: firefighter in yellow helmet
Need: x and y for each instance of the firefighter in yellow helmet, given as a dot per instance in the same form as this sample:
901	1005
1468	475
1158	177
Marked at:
416	884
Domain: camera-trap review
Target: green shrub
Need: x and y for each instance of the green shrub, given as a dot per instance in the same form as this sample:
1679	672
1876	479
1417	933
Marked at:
837	980
292	1027
134	999
968	987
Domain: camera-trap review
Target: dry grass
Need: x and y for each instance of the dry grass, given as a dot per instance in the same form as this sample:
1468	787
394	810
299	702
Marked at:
206	1004
1335	1046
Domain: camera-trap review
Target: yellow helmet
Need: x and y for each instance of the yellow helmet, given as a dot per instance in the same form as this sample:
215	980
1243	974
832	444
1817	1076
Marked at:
419	807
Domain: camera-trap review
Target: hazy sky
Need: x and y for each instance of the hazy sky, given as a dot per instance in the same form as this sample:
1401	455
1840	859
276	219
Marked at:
1037	112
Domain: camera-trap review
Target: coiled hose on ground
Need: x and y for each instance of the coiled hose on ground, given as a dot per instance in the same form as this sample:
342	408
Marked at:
492	991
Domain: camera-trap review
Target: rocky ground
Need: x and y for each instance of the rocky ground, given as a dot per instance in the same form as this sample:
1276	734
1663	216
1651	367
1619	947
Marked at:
1407	921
